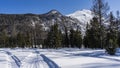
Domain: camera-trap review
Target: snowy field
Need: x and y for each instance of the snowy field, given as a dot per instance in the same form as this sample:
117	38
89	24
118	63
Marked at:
57	58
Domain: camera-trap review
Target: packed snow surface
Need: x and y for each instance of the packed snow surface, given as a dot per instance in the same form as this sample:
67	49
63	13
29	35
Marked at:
57	58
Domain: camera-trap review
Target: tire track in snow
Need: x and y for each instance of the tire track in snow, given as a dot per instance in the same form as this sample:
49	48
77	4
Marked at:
34	61
13	60
37	60
50	63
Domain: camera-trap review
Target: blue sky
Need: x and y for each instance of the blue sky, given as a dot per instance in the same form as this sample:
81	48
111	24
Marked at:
43	6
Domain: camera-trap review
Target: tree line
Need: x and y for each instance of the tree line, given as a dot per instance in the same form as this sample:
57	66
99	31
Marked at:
54	38
57	39
100	36
97	34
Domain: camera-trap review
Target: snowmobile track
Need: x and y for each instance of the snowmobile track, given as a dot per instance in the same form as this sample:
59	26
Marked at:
34	60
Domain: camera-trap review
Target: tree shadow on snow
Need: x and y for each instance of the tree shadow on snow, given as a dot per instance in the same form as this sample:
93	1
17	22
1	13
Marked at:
97	54
100	65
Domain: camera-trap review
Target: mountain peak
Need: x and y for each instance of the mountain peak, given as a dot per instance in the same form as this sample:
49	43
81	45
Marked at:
85	10
54	12
84	16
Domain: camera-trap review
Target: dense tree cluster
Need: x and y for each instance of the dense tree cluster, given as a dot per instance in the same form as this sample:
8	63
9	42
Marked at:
56	39
92	38
97	34
31	38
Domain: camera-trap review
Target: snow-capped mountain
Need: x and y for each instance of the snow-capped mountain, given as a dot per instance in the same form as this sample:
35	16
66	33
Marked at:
15	23
84	16
27	22
54	16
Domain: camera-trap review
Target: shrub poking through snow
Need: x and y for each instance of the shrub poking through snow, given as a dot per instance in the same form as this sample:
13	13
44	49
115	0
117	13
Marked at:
111	51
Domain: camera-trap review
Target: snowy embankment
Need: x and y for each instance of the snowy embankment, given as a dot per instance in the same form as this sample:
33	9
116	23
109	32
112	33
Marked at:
58	58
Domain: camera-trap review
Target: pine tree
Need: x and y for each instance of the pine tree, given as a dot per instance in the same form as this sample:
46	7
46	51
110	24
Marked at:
118	39
49	40
92	38
20	40
111	40
72	38
4	38
28	40
100	9
85	39
78	38
75	38
54	38
57	36
65	38
118	24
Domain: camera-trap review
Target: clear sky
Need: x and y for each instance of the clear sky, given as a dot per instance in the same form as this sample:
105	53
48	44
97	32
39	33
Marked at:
43	6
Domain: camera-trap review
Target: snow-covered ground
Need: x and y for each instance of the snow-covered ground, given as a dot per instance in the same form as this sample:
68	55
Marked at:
57	58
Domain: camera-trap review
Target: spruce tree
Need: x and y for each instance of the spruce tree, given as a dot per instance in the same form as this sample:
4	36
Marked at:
66	38
118	28
100	9
85	39
78	38
112	36
20	40
28	40
54	38
118	39
57	36
75	38
72	38
4	38
92	38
